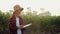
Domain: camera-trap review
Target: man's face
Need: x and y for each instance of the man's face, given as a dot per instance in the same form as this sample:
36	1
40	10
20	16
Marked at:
18	12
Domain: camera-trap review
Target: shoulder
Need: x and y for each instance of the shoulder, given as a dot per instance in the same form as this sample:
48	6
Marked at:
20	18
11	17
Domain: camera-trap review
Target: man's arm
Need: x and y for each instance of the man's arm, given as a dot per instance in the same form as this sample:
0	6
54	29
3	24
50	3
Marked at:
12	26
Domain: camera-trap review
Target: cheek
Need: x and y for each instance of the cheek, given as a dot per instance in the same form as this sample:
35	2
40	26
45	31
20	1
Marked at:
18	12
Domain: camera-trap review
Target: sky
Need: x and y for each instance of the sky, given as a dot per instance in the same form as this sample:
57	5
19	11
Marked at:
52	6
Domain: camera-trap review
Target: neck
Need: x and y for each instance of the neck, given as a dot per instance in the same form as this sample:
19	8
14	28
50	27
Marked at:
15	15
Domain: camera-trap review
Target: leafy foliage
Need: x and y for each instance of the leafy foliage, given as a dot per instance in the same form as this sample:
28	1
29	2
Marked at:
39	23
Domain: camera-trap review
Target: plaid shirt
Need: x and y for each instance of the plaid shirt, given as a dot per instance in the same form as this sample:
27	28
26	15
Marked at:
12	25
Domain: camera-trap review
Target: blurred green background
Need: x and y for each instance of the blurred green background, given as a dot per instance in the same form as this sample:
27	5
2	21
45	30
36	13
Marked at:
40	24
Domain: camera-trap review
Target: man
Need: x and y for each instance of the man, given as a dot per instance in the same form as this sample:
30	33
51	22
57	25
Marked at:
15	23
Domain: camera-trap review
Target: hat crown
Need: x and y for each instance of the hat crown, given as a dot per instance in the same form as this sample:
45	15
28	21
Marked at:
16	7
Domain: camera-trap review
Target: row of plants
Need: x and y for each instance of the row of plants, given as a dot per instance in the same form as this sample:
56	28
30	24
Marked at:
40	24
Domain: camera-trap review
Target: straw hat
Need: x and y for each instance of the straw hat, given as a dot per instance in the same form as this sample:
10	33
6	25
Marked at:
17	7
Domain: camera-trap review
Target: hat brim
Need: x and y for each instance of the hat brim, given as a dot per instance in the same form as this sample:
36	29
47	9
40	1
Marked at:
19	9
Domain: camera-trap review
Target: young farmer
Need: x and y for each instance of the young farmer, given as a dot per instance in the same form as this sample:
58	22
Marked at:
15	23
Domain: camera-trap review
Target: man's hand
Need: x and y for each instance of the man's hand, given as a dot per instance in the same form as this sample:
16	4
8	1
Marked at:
20	27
